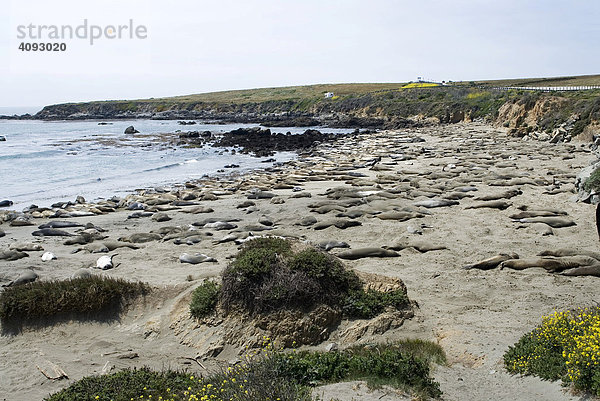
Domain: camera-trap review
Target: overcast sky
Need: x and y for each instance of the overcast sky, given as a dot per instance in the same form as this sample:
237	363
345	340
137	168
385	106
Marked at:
195	46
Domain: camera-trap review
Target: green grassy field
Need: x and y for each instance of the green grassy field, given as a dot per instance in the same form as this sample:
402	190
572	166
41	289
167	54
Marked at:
316	91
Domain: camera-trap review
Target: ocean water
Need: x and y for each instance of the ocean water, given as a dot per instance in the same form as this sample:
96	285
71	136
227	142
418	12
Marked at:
43	162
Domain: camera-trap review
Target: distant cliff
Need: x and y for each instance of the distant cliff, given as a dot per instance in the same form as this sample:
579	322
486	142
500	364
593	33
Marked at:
534	114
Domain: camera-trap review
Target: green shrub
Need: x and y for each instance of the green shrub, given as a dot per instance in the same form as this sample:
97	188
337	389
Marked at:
329	271
204	299
378	365
565	346
128	384
271	375
593	181
82	297
368	304
266	275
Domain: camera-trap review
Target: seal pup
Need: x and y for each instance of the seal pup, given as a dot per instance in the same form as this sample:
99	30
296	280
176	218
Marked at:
81	273
491	263
48	256
497	204
327	245
551	264
196	258
421	246
554	222
51	232
28	276
12	254
26	246
60	224
431	203
367	253
105	262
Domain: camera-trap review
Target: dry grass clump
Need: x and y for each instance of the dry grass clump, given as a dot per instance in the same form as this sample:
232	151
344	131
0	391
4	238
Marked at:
81	298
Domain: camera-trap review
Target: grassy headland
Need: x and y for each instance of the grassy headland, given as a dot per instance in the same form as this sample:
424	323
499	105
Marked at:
371	105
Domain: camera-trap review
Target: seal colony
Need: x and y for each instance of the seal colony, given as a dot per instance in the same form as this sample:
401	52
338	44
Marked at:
416	205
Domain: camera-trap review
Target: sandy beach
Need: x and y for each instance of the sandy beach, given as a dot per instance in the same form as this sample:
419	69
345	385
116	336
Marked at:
475	315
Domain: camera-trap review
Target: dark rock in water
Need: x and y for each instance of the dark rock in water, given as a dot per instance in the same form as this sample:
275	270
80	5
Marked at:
131	130
262	142
187	122
2	233
2	138
5	203
232	166
103	123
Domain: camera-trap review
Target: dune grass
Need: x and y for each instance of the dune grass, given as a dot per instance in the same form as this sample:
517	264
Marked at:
82	297
271	374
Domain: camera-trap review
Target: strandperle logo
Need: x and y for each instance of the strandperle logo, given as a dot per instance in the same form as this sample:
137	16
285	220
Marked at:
85	31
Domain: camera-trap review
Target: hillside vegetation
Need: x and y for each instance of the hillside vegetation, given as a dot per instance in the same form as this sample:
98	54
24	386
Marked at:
542	115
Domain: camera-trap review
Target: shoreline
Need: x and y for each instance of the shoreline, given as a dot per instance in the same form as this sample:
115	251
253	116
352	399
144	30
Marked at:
474	314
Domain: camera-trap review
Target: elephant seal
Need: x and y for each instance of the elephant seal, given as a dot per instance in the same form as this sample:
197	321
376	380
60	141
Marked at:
198	210
26	246
551	264
112	245
220	225
328	208
139	238
306	221
233	237
265	221
92	248
60	224
399	216
191	240
245	204
341	224
5	203
367	253
48	256
570	252
20	222
327	245
28	276
259	194
526	214
195	259
84	237
81	273
497	204
51	232
137	215
12	255
105	262
491	263
503	195
421	246
431	203
554	222
257	228
160	217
